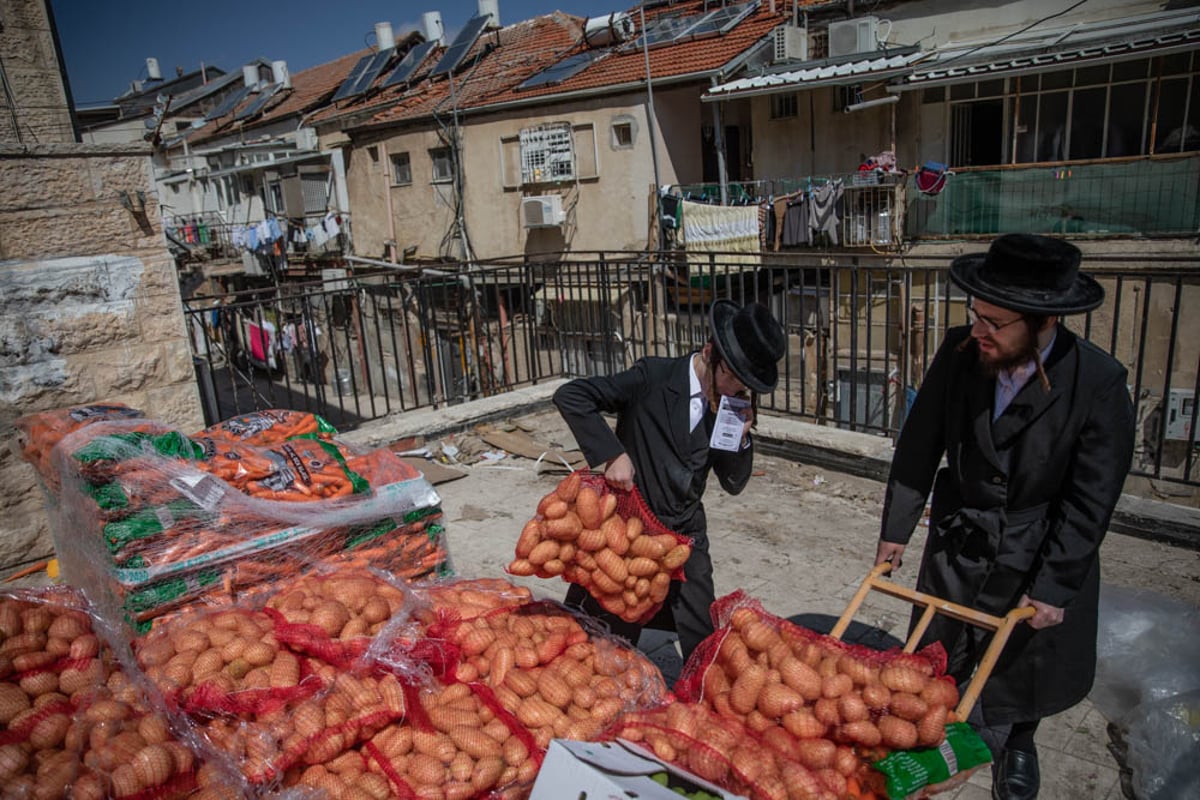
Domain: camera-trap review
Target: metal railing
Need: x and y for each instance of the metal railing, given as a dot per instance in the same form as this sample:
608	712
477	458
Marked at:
1143	196
861	333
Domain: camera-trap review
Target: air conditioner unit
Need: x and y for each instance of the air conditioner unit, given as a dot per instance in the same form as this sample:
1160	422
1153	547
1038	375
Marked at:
851	36
542	211
791	44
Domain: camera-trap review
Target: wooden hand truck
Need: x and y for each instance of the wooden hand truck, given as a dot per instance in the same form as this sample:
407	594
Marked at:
1003	626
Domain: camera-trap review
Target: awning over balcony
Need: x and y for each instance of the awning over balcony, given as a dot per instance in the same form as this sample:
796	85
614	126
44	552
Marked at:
1036	50
882	66
1039	50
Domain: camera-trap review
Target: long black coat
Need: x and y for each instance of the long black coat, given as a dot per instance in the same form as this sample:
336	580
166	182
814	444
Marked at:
1021	508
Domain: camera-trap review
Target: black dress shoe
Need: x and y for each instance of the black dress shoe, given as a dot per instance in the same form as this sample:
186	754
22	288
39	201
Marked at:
1015	776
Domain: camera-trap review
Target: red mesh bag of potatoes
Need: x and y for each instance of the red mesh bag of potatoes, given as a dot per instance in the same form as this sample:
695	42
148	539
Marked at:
457	743
333	616
761	765
71	724
606	540
765	671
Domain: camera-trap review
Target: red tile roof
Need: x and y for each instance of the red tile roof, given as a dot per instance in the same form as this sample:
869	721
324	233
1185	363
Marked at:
500	61
504	60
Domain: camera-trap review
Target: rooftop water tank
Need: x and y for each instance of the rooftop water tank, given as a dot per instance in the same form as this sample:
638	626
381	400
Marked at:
432	28
609	29
384	39
490	7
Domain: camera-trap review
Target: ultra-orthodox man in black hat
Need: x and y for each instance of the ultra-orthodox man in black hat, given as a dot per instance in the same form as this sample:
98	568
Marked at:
665	410
1036	426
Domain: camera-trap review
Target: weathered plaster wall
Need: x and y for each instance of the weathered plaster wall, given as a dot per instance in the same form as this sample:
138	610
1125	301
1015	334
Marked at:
89	308
608	208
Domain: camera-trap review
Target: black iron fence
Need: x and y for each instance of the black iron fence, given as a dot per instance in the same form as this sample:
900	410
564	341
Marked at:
861	332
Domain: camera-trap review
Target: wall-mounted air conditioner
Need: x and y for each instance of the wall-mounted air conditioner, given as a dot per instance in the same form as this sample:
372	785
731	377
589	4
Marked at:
542	211
851	36
791	44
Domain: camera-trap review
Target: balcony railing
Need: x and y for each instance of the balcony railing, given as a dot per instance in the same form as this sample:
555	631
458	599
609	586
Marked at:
206	237
860	337
1140	197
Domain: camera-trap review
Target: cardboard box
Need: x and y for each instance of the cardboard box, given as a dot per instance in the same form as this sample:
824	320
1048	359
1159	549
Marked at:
615	770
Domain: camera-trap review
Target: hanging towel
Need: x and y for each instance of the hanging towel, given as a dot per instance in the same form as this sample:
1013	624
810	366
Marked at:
721	228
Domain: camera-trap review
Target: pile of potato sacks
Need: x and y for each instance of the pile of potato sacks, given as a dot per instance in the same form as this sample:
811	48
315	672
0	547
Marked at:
578	533
340	682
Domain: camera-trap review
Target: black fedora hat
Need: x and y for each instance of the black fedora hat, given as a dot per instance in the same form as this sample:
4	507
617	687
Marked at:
750	341
1030	274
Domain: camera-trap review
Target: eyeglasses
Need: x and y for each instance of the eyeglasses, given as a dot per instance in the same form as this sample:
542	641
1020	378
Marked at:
990	325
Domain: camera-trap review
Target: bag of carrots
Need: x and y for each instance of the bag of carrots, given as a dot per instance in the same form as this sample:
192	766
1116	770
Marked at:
37	434
606	540
269	427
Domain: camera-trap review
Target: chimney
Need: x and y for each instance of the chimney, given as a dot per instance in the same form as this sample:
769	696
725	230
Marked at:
491	7
280	75
432	28
250	76
152	71
384	40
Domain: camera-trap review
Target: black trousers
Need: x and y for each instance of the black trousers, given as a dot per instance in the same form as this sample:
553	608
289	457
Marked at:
685	611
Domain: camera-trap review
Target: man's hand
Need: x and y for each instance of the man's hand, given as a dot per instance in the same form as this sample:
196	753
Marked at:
1045	616
889	551
620	471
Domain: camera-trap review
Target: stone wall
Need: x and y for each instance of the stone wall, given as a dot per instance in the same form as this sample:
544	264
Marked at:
38	100
89	308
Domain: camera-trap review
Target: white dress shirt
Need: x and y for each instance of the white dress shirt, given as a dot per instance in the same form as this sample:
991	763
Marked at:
1011	381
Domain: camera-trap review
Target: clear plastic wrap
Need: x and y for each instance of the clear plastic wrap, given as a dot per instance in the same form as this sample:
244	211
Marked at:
150	519
1148	686
71	722
1163	741
606	540
730	755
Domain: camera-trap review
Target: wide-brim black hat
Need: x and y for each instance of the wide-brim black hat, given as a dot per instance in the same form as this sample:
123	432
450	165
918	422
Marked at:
750	340
1030	274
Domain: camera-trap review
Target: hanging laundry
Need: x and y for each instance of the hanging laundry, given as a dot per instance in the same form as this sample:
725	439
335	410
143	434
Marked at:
823	209
796	222
262	342
273	229
332	229
721	229
252	237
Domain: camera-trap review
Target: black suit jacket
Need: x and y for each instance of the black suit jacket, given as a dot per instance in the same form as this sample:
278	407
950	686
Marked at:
651	402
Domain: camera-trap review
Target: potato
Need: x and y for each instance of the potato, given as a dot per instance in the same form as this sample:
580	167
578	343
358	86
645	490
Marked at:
800	677
907	706
568	487
587	506
744	695
897	734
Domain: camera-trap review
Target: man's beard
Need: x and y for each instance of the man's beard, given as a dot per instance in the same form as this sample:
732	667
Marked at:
991	365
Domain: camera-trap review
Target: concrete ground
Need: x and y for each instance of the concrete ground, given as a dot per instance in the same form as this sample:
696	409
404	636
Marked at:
800	539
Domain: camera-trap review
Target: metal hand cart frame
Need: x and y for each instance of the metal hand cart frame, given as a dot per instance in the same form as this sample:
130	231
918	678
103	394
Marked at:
1002	626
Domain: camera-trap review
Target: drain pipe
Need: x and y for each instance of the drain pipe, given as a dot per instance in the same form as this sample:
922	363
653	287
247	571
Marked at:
650	123
392	246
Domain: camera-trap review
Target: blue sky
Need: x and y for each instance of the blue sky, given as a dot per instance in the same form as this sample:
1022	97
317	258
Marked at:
105	42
